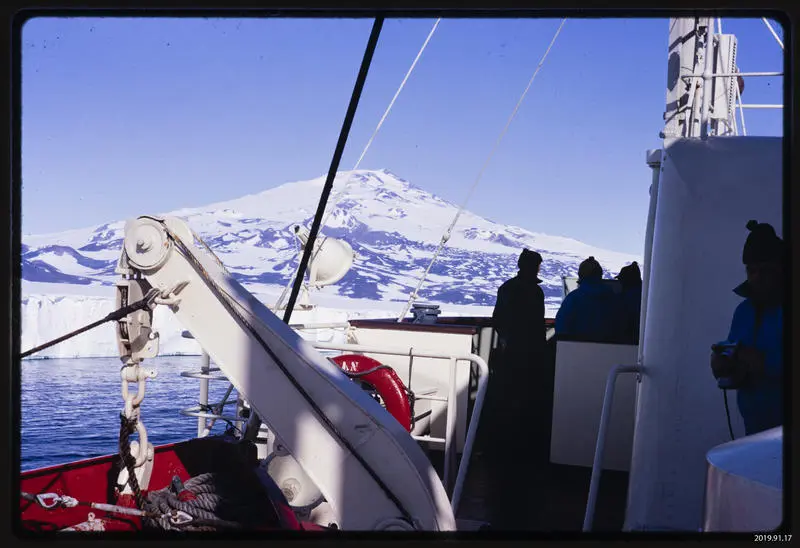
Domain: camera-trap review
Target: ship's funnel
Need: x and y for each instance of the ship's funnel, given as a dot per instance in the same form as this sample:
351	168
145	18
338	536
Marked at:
331	260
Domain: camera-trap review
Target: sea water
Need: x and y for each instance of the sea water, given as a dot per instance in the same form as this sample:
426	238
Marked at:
70	407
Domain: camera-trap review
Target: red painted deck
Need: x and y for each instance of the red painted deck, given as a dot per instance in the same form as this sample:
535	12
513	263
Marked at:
94	480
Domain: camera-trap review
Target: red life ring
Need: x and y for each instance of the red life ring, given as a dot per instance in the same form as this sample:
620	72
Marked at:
385	381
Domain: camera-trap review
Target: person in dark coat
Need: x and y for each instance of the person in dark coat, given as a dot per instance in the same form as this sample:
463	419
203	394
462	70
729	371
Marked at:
592	312
757	331
517	415
519	310
630	278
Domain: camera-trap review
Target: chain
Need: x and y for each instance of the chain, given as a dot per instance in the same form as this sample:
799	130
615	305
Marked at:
130	422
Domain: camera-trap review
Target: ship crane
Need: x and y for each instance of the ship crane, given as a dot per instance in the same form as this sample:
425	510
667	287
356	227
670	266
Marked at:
371	472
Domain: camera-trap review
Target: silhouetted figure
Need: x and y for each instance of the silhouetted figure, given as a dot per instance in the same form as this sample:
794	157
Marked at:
592	312
517	418
519	311
754	364
630	278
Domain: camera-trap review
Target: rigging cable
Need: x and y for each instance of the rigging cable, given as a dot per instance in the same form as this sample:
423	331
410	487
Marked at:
728	414
414	294
118	314
337	157
337	198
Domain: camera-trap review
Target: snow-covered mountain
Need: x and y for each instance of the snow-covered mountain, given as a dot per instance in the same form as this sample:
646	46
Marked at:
393	226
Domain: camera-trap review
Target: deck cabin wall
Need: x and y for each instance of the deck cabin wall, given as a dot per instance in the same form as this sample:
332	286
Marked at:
581	371
707	192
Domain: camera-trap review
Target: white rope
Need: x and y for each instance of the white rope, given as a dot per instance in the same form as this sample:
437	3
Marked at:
774	34
337	198
341	193
449	231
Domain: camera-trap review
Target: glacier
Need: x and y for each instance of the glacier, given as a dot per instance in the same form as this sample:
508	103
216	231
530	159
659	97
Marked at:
393	226
47	315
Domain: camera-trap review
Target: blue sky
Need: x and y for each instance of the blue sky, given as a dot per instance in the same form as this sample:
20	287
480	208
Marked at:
122	117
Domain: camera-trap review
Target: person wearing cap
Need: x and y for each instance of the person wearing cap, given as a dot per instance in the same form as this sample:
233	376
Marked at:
513	433
630	278
756	332
592	312
518	319
518	315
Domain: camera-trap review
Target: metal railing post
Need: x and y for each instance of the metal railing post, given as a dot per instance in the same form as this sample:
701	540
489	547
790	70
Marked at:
605	417
450	428
707	75
472	431
203	400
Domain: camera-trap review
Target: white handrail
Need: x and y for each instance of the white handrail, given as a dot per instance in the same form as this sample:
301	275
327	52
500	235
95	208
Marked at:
605	417
450	412
309	326
760	106
483	380
734	74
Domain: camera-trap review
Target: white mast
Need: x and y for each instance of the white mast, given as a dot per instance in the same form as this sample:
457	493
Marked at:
707	191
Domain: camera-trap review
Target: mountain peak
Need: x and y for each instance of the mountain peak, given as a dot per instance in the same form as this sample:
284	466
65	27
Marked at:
393	226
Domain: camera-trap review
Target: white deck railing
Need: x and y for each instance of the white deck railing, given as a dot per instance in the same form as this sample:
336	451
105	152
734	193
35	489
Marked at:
201	411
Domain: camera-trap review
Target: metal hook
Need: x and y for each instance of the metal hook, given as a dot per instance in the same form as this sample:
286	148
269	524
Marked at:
42	499
179	518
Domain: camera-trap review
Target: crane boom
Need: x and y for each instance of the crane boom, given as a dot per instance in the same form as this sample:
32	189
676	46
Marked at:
369	469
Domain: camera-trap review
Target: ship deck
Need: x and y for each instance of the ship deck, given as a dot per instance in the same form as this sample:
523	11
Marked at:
555	501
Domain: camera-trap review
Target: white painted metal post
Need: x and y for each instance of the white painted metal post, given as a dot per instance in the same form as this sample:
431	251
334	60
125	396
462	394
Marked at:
654	161
605	417
707	75
463	467
450	425
205	368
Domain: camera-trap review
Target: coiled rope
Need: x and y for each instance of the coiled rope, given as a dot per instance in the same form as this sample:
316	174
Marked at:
213	501
415	294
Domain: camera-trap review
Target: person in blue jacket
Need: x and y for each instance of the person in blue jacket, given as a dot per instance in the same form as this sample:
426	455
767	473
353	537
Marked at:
630	278
755	365
592	312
